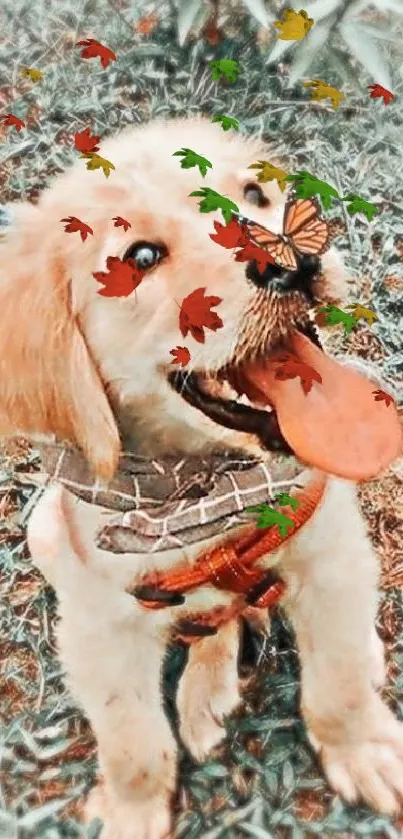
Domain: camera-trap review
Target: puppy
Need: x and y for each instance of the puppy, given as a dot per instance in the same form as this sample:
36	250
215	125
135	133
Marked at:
95	371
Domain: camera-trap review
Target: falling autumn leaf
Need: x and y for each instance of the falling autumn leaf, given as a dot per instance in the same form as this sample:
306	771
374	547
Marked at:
86	142
294	26
212	33
322	90
181	355
290	367
231	235
268	517
226	67
146	25
362	312
97	162
121	222
120	279
212	200
93	49
382	396
379	92
287	500
33	75
195	315
332	315
250	251
11	119
74	225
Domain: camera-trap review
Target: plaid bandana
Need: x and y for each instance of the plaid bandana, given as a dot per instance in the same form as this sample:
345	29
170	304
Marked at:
172	502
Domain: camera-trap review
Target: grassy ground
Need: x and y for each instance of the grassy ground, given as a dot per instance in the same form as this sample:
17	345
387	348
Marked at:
263	782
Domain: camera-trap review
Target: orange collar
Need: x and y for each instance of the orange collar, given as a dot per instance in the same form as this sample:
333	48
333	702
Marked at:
229	567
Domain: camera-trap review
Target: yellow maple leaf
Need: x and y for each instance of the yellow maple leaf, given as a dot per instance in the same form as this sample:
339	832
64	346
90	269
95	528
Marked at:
95	161
322	90
294	26
268	172
362	312
30	73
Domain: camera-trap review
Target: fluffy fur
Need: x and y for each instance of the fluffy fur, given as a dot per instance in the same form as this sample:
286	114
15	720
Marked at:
83	367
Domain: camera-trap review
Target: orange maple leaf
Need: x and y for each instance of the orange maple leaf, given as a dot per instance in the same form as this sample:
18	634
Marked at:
94	49
120	279
212	33
11	119
382	396
121	222
181	355
145	25
195	315
86	142
290	367
74	225
231	235
250	251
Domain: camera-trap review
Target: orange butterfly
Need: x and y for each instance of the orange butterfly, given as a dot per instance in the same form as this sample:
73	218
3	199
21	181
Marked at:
304	232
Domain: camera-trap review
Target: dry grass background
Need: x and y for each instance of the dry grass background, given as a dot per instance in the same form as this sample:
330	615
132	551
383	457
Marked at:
263	781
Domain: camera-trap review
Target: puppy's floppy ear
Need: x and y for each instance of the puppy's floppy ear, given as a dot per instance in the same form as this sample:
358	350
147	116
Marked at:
49	383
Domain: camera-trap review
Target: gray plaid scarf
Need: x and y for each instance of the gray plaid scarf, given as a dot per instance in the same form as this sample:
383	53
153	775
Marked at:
172	502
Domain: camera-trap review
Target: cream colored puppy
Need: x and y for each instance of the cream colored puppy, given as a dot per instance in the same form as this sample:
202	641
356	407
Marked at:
89	369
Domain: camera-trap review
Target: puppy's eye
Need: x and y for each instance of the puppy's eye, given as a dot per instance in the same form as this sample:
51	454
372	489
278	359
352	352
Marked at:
145	254
254	194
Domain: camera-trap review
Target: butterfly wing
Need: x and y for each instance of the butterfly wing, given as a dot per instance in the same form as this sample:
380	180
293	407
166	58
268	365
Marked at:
307	231
275	246
286	257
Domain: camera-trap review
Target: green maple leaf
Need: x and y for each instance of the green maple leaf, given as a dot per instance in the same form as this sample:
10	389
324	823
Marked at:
359	205
225	67
286	500
334	315
362	312
306	186
269	517
95	161
226	122
190	159
212	200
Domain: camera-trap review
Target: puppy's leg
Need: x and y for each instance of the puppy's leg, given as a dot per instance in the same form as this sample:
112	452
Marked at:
112	653
208	690
332	574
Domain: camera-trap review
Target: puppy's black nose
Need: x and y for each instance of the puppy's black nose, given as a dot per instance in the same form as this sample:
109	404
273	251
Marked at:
283	280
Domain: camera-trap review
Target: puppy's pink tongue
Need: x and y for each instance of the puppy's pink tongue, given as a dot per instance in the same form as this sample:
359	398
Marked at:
338	426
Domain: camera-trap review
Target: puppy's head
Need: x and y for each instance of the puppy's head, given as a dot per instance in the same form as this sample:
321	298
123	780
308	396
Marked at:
75	363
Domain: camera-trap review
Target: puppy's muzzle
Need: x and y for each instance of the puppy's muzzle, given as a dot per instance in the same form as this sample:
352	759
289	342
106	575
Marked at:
282	280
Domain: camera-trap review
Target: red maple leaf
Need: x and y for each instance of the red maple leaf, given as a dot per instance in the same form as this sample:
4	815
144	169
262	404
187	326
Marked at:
181	355
120	279
251	251
74	225
381	396
290	367
121	222
231	235
11	119
195	315
86	142
379	92
93	49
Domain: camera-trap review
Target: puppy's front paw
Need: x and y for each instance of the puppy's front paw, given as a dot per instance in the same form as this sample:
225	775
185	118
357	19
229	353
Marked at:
366	764
206	695
150	819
